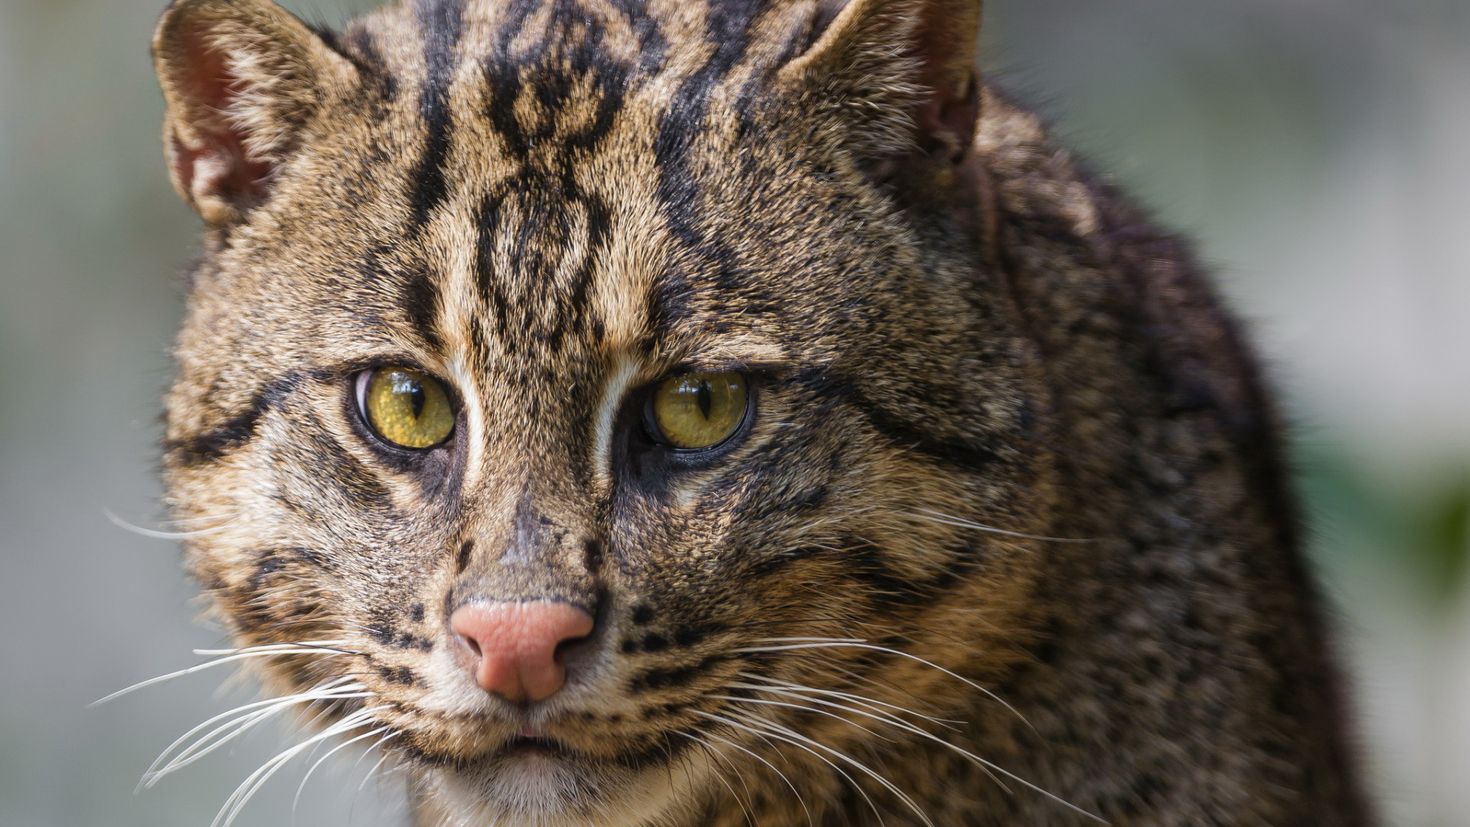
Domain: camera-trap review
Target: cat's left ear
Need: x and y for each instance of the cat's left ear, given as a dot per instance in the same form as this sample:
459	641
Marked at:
896	76
241	80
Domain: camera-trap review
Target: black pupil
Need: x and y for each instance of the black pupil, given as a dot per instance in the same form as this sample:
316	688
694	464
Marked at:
417	398
705	398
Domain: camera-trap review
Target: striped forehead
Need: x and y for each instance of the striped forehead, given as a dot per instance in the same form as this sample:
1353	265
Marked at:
548	177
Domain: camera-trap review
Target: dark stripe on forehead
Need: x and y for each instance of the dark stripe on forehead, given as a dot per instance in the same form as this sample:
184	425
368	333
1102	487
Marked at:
728	28
543	196
420	299
441	22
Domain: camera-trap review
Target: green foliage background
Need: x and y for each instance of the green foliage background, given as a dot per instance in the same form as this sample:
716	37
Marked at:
1316	148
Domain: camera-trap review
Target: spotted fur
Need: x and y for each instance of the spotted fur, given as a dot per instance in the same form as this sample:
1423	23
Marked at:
1010	479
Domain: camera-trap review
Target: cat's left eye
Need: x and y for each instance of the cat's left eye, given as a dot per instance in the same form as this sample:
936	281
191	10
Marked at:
406	407
698	411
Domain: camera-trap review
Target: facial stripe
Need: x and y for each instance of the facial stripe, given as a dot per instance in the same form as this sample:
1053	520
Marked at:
217	442
441	22
946	450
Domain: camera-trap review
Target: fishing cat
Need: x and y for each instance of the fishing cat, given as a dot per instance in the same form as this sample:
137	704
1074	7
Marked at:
701	412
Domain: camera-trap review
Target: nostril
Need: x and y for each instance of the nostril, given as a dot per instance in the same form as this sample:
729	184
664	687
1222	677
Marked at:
566	646
474	645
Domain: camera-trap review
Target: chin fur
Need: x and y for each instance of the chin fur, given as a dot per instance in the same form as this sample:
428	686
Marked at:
546	791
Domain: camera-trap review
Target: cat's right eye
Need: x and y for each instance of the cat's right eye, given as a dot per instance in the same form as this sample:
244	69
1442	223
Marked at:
405	407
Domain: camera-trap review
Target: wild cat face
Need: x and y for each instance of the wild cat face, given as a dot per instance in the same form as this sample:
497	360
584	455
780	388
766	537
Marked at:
580	376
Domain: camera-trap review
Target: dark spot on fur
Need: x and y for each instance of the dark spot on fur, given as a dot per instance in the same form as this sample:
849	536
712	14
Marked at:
403	676
409	641
592	553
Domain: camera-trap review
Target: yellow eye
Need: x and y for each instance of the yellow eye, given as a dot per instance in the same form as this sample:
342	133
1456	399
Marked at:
407	407
699	410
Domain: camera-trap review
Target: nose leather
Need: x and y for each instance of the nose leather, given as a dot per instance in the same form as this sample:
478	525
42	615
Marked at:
511	649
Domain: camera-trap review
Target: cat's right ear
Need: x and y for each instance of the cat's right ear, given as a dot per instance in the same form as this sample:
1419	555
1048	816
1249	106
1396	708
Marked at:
241	79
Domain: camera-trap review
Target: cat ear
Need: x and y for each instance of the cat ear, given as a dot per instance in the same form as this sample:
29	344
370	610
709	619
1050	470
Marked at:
240	80
895	76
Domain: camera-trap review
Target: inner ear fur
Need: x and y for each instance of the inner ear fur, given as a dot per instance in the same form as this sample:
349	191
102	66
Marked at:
896	76
240	78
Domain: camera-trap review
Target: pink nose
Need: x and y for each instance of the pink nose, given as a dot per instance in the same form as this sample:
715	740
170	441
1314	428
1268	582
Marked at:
511	648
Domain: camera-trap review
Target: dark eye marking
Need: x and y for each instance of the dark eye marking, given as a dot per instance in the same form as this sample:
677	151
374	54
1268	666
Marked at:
214	443
949	451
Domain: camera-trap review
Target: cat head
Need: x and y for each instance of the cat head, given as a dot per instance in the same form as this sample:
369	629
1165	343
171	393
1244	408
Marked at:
570	379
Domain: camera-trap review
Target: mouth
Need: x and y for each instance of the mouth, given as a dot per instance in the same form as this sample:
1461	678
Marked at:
532	746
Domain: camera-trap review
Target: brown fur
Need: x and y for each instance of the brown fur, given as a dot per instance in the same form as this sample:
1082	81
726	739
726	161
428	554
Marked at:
1001	425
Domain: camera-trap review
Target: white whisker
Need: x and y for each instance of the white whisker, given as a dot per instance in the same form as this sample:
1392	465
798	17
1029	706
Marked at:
247	789
746	727
772	767
862	700
813	710
162	535
229	656
296	800
988	767
960	522
720	777
789	733
848	644
254	713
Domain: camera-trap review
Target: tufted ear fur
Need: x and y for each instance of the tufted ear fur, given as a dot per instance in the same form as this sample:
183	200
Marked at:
896	76
240	78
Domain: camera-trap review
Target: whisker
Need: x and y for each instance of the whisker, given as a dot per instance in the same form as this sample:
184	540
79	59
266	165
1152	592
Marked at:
154	534
309	645
255	713
247	789
296	800
862	700
960	522
789	733
813	710
746	727
374	768
231	656
720	777
847	644
887	719
773	768
988	767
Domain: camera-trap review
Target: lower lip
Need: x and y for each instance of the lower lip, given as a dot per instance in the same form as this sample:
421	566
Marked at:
525	747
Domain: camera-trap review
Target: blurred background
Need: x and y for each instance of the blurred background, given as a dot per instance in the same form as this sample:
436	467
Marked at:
1318	149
